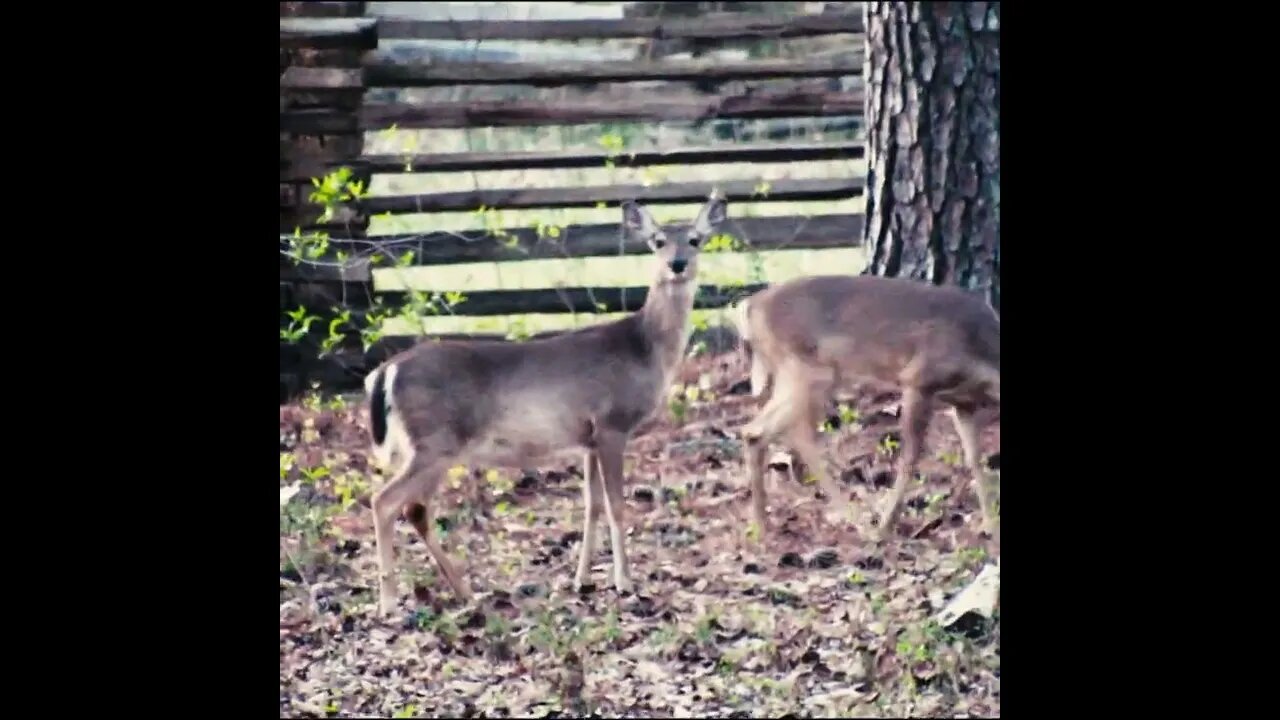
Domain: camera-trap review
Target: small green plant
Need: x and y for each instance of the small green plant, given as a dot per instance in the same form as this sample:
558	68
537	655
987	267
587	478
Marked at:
934	501
973	556
518	330
721	242
496	626
331	192
678	406
299	325
889	445
348	487
663	636
704	628
303	526
334	189
547	230
612	629
613	144
878	604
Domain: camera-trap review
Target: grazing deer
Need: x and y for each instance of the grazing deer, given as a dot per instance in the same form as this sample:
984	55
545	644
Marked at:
490	402
806	337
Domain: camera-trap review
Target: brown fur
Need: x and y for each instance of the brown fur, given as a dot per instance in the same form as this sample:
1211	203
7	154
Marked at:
807	337
512	404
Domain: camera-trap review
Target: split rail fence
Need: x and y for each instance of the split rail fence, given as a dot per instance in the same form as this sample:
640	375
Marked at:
330	58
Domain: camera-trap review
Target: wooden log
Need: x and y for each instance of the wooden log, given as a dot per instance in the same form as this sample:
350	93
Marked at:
712	26
637	107
304	220
460	162
322	9
601	240
343	100
345	369
322	298
508	198
324	34
319	121
320	57
331	151
303	164
327	269
321	78
384	70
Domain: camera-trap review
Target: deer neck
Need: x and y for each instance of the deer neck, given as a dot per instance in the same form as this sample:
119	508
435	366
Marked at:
665	318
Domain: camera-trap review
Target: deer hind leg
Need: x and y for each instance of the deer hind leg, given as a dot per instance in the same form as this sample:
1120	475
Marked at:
967	421
387	503
775	418
754	455
422	520
593	498
609	447
916	412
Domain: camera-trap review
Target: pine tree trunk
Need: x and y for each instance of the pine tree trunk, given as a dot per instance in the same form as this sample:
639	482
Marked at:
933	143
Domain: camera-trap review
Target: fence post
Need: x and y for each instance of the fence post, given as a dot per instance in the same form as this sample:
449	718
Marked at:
312	152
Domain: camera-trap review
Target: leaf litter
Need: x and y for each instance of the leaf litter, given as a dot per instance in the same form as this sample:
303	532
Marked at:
818	623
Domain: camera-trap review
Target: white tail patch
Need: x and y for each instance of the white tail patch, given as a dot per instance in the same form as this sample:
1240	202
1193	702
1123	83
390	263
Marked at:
741	319
759	376
387	451
370	379
738	316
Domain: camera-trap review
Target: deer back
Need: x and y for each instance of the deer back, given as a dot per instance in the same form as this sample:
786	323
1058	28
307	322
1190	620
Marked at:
873	327
518	401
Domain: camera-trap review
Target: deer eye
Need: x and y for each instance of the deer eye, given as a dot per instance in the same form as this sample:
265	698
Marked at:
694	240
659	244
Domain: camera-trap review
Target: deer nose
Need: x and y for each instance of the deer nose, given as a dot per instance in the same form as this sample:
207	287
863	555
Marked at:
678	266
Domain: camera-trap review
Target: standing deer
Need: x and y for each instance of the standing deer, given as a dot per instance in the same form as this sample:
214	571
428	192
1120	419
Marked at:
441	404
806	337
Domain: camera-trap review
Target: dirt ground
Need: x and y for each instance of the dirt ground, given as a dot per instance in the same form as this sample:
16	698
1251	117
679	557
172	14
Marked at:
819	622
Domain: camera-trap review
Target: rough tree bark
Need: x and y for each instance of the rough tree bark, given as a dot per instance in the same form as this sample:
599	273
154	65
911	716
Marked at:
933	143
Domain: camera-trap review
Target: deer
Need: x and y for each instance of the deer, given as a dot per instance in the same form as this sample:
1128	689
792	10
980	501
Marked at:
496	403
807	337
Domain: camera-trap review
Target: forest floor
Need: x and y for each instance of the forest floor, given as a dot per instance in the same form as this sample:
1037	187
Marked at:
818	623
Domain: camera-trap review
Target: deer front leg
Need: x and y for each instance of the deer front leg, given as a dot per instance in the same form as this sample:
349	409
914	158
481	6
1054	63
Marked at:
916	410
593	499
609	449
422	521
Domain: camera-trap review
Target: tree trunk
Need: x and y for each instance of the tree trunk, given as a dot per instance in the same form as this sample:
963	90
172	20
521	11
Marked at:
933	143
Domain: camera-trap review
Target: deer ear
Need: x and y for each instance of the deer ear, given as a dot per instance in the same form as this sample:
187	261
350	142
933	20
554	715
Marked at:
634	216
712	214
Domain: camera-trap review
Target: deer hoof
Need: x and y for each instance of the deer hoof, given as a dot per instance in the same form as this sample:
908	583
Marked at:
884	533
387	606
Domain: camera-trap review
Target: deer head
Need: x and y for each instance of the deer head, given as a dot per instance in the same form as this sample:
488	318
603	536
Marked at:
676	247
